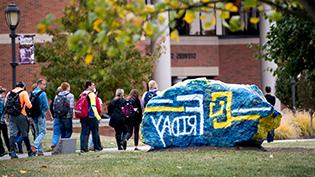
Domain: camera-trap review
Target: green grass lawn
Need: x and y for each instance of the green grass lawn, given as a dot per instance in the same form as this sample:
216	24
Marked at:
279	159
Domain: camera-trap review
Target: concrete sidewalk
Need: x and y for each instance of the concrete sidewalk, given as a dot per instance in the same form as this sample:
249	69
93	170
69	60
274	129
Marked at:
76	123
130	149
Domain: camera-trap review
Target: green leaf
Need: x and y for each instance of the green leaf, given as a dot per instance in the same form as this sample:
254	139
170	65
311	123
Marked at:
250	3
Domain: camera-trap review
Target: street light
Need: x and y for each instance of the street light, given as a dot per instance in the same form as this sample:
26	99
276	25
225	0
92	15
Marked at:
12	17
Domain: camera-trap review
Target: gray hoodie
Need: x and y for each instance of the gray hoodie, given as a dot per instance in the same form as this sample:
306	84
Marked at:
70	97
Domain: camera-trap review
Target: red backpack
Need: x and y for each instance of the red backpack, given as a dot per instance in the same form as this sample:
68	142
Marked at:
82	106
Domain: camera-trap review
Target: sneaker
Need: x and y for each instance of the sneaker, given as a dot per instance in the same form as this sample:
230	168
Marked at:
98	150
30	154
3	154
13	155
34	151
124	144
53	146
84	150
40	154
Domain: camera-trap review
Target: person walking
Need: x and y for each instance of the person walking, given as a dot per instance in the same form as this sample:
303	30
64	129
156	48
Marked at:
16	101
56	123
40	120
90	123
3	125
133	98
63	109
272	100
152	92
117	120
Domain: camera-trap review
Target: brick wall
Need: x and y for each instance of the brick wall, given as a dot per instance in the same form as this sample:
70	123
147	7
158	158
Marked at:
206	55
32	11
237	62
239	65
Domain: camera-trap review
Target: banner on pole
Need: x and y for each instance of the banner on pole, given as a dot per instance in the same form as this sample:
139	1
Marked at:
27	49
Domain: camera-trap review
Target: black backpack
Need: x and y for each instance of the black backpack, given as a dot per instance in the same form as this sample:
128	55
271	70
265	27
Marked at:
128	110
13	106
148	96
61	105
35	110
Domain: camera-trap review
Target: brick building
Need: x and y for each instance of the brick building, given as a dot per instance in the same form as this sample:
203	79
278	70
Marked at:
217	53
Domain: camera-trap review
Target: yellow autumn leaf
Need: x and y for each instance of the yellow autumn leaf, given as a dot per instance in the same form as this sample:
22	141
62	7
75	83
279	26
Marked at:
23	171
88	59
224	14
96	25
41	28
189	16
261	8
254	20
203	17
211	23
175	36
211	5
231	7
89	50
149	8
148	29
137	21
161	18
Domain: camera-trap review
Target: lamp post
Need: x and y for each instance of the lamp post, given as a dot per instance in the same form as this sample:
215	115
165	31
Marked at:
12	17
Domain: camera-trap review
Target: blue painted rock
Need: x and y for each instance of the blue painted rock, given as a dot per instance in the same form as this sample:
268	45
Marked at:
203	112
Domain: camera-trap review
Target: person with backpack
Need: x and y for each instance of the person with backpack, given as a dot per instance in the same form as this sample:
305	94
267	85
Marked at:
38	113
88	110
152	92
56	123
63	110
136	119
117	120
3	125
16	101
272	100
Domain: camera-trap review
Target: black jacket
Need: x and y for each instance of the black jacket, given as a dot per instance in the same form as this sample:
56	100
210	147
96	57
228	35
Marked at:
136	104
114	111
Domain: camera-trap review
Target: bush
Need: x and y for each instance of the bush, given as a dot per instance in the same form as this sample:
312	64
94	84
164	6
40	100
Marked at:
295	126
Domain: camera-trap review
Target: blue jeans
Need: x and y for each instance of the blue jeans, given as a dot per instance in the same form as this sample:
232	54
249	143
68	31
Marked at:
19	124
89	125
40	126
56	132
66	127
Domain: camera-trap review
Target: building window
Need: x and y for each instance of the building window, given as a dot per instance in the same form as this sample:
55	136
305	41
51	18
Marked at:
196	28
249	28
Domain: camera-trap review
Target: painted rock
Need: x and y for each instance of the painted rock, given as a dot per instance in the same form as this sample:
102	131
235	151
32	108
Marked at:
203	112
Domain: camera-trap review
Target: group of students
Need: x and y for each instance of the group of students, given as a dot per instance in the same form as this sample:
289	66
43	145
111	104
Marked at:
18	106
126	114
25	110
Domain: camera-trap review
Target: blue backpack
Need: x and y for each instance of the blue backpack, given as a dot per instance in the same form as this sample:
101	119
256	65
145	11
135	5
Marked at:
148	96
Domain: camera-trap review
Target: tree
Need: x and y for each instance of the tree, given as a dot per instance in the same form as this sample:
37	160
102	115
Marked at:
127	69
291	46
99	27
122	23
